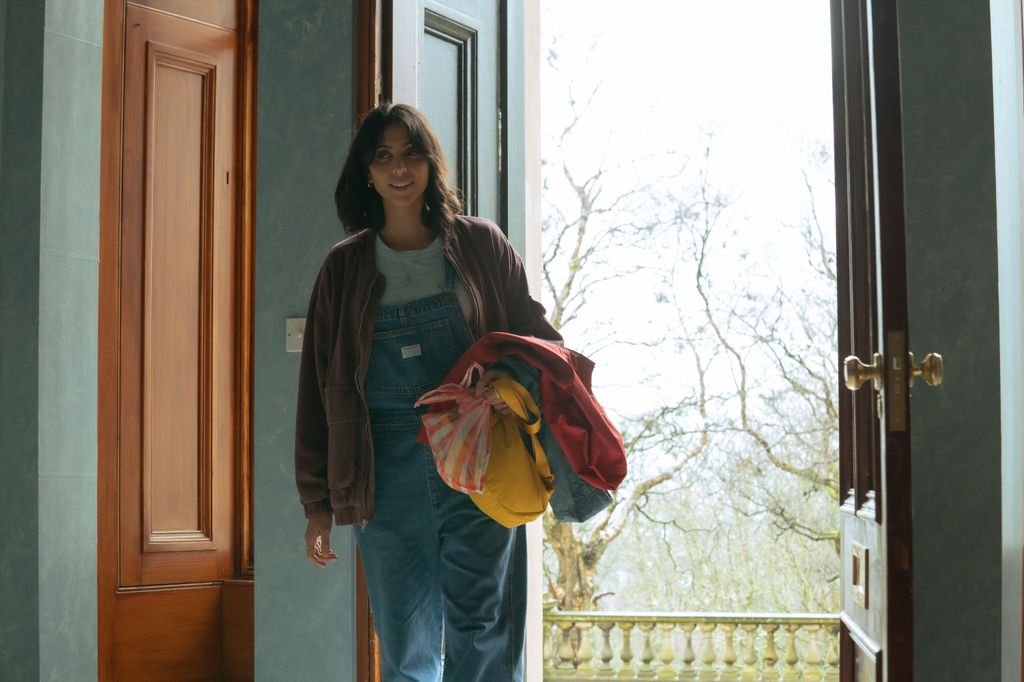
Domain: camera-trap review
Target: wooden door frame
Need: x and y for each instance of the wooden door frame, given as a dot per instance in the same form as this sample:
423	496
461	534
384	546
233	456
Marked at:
373	46
108	351
248	52
108	324
892	247
889	475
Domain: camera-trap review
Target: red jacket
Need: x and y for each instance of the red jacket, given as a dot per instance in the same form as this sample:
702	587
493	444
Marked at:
333	445
591	443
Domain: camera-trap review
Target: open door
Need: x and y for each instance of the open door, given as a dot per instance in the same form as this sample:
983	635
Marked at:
876	633
454	61
461	63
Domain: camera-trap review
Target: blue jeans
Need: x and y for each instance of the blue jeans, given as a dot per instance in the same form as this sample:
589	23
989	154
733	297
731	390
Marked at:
441	575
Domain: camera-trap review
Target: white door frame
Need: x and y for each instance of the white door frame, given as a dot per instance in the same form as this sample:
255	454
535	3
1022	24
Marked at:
1008	120
406	47
532	261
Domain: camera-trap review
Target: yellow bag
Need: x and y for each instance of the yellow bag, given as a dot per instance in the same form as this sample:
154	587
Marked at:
516	486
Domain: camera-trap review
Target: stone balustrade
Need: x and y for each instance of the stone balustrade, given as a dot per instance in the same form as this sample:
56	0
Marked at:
706	647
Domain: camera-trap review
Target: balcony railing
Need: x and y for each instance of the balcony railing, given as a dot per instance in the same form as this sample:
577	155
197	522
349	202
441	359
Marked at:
740	647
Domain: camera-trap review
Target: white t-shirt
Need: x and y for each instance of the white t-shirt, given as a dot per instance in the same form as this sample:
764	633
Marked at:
415	274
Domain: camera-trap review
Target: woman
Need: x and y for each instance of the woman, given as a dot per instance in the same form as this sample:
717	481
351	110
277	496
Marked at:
393	307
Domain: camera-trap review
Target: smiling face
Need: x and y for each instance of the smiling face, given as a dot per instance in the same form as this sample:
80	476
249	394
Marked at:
399	172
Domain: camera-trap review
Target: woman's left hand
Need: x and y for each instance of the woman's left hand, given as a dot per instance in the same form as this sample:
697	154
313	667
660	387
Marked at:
484	388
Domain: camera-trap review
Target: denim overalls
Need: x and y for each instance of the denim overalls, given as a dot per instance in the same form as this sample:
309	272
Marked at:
437	568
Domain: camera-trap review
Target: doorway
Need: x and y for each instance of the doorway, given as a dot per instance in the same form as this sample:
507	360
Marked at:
752	325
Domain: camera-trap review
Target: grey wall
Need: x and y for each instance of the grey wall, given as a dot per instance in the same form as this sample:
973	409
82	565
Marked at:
304	615
68	309
953	298
48	319
3	60
19	339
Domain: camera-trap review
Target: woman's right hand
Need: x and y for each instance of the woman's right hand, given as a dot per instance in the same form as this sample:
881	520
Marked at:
485	388
318	540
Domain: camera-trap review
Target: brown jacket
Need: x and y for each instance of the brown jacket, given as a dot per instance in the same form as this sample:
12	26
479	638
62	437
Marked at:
333	445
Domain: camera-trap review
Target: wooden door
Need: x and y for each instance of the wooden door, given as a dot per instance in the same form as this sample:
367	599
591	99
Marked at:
174	557
877	608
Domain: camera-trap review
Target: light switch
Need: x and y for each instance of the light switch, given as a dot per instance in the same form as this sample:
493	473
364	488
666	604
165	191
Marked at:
293	329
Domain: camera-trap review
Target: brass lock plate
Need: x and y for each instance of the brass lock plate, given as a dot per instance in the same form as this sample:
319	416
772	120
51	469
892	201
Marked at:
859	574
896	381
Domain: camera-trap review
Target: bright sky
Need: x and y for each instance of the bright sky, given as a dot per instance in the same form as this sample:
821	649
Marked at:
757	72
754	73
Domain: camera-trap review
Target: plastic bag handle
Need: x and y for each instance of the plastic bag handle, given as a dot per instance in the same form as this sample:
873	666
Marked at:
446	393
467	380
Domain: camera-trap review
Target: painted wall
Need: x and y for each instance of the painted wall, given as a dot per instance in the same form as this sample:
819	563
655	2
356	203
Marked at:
48	322
304	615
953	296
3	60
1008	109
68	322
19	339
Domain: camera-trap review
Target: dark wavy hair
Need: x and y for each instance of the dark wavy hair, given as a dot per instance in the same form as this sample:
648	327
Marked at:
359	206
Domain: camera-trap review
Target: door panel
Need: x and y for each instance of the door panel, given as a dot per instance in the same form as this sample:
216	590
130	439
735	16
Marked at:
877	616
176	461
449	54
174	635
450	62
863	655
459	91
178	274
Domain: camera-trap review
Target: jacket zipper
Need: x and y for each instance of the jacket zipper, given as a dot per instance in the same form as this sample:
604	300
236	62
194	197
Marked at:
366	411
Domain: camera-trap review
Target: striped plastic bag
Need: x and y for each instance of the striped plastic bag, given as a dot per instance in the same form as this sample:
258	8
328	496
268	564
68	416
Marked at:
459	431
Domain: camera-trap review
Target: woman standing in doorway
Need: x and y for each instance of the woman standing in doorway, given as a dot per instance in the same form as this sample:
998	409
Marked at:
393	307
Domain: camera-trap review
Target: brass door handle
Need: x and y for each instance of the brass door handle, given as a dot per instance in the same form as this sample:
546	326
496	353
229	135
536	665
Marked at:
856	372
929	369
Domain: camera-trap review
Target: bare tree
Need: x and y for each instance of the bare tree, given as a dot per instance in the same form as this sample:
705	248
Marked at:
773	360
582	241
793	428
754	416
